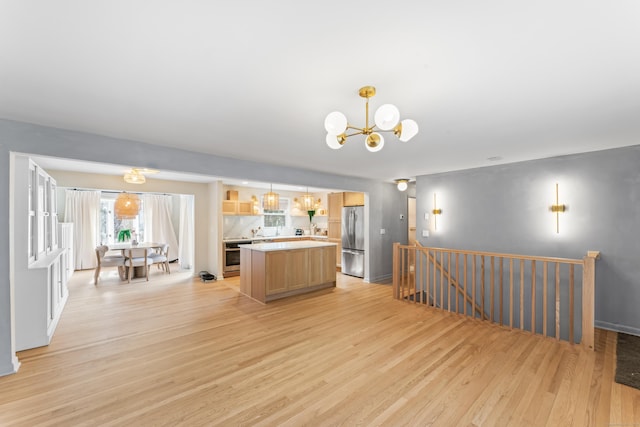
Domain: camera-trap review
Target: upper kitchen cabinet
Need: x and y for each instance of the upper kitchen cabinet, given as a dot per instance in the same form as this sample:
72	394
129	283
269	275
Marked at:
233	206
353	199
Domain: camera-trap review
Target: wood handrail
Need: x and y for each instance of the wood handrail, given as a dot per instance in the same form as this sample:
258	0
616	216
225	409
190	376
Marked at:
412	276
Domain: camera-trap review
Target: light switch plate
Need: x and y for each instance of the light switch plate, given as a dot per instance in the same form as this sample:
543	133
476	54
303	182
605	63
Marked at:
401	217
426	215
425	233
382	231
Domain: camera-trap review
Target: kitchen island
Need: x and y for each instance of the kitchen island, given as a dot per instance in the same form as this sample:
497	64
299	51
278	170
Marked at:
269	271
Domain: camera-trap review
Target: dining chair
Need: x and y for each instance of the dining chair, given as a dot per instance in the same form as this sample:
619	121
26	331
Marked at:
106	261
161	258
138	257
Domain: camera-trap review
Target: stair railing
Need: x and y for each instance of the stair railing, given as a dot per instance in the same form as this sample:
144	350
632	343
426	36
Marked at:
530	293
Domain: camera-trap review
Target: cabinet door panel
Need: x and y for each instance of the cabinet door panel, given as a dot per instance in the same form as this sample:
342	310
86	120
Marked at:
297	268
276	272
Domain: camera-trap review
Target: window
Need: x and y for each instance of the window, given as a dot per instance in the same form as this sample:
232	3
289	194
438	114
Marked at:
110	226
277	218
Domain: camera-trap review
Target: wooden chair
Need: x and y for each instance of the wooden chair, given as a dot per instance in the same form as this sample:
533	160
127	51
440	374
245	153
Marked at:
162	258
106	261
138	257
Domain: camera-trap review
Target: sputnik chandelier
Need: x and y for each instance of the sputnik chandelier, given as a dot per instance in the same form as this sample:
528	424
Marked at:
386	119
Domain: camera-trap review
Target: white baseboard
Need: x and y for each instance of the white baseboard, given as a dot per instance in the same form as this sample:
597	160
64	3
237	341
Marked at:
617	328
12	368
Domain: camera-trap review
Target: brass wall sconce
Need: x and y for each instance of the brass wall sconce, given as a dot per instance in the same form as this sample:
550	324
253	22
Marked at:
557	208
435	213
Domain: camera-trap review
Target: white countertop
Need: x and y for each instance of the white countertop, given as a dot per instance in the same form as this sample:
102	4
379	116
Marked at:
261	238
283	246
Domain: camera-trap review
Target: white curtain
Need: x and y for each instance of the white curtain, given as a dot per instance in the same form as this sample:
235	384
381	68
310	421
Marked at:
157	222
185	252
82	208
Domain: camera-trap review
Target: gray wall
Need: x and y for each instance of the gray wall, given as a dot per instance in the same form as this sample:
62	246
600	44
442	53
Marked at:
505	208
34	139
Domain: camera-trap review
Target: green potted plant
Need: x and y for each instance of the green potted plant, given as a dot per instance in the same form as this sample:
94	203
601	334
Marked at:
124	235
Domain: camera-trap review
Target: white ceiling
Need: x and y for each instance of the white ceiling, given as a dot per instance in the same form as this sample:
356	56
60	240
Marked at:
255	79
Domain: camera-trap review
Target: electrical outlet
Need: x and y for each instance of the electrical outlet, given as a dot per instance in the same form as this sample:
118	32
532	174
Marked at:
426	215
382	231
425	233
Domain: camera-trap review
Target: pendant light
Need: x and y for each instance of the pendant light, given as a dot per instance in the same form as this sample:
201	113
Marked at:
308	202
127	206
271	200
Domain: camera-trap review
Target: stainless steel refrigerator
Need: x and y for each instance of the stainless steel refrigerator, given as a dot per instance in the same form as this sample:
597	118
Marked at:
353	240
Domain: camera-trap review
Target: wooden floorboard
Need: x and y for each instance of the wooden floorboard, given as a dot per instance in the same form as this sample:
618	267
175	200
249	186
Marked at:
177	351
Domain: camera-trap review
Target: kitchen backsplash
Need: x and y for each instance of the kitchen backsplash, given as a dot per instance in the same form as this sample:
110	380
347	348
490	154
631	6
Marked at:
241	226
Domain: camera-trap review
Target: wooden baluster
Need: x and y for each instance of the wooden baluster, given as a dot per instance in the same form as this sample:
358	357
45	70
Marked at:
501	291
428	278
572	298
533	296
464	300
441	280
511	293
588	297
491	289
473	284
396	293
457	293
482	286
521	294
557	301
544	298
448	287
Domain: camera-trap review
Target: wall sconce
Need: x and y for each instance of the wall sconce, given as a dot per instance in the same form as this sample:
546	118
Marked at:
403	184
557	208
435	213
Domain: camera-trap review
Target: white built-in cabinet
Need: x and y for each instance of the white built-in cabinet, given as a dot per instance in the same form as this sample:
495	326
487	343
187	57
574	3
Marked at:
41	264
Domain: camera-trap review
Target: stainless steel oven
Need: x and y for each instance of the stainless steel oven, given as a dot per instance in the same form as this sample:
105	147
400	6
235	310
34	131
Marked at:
232	256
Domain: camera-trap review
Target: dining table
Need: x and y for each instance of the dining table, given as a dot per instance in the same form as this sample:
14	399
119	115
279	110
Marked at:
123	247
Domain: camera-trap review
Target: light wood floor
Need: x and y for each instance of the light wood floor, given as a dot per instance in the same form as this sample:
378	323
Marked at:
176	351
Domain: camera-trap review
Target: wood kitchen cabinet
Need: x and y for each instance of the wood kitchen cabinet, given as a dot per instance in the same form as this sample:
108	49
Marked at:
334	223
237	207
353	199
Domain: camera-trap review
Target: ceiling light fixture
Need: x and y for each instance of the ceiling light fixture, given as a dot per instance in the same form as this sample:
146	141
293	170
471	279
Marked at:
403	184
386	119
136	175
308	201
271	200
126	206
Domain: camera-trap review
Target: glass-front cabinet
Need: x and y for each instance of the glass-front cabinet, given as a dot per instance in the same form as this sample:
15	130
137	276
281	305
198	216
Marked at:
40	265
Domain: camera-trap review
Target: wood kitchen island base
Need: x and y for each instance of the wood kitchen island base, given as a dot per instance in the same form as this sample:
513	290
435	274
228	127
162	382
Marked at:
270	271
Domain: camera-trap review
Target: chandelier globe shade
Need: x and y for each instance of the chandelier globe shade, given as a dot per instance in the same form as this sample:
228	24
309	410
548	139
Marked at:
271	200
406	130
385	119
126	206
335	141
335	123
374	142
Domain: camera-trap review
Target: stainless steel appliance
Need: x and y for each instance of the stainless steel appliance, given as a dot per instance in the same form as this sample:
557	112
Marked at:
353	240
232	256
